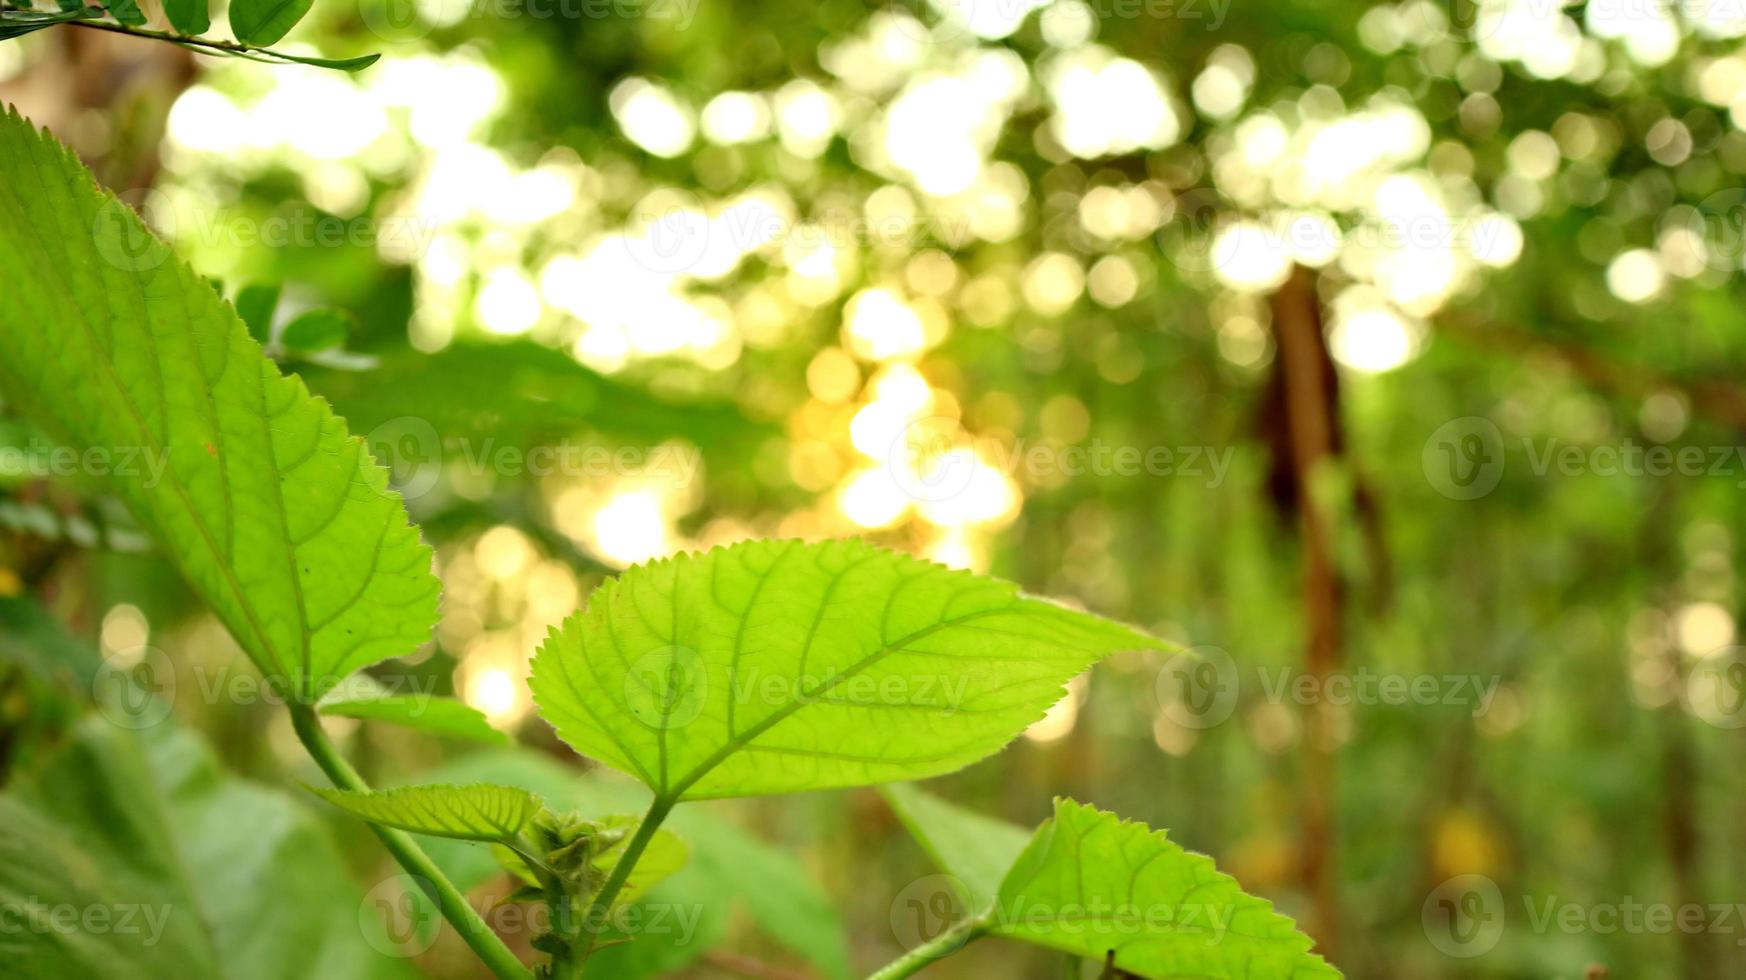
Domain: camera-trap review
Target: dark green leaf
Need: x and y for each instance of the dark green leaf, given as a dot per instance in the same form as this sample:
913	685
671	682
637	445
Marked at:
126	11
255	303
190	17
263	22
316	331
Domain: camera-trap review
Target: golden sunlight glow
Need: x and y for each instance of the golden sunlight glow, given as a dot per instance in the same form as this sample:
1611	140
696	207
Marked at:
1370	337
1106	105
879	326
1060	719
1249	256
631	527
124	628
1636	276
496	693
872	499
652	117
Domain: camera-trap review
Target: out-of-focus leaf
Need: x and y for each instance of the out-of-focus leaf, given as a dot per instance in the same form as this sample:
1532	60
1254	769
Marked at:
314	331
17	23
255	303
194	873
126	11
481	811
262	22
424	712
278	517
782	666
976	850
519	394
37	642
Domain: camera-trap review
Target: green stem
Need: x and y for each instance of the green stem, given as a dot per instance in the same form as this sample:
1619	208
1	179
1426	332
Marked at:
227	47
598	913
235	49
938	948
423	870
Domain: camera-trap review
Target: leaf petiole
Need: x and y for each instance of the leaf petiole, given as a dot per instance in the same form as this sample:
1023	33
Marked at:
934	950
449	900
627	862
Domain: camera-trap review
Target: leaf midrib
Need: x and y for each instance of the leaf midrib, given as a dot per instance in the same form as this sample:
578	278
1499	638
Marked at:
736	743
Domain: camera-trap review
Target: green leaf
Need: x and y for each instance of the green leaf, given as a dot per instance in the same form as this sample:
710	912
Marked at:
189	17
460	392
126	11
423	712
17	23
315	331
482	811
216	877
779	666
1090	882
338	64
275	514
976	850
262	22
255	303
